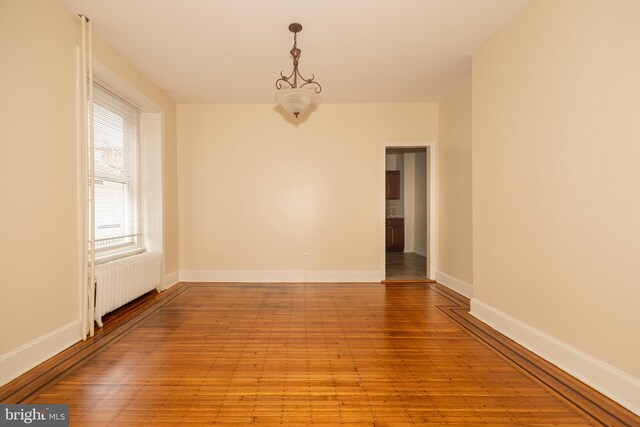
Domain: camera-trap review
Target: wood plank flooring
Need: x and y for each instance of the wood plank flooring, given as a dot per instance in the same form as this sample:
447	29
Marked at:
305	354
405	266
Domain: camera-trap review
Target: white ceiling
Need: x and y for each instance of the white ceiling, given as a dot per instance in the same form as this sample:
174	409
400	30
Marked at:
226	51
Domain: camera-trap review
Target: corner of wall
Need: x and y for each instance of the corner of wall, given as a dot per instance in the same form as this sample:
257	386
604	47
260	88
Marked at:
19	360
608	380
457	285
170	280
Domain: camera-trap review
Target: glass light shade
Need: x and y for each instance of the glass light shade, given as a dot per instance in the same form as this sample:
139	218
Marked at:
295	101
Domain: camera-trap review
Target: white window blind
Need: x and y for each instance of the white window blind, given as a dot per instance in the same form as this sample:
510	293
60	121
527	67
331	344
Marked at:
117	173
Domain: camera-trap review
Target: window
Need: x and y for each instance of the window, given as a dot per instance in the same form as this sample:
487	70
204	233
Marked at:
117	204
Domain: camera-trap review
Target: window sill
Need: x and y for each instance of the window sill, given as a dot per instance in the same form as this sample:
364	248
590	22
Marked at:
112	257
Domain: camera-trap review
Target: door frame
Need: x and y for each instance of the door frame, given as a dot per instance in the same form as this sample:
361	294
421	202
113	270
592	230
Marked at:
431	196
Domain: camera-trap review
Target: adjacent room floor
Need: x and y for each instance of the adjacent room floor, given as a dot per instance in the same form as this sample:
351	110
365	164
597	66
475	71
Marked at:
283	354
405	266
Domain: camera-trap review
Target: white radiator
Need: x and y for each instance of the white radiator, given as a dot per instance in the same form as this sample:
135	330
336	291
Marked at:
123	280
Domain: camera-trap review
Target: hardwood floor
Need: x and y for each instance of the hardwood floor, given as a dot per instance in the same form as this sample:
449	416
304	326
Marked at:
405	266
286	354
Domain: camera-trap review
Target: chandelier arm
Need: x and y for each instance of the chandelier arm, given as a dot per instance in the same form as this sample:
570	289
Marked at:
279	83
317	89
284	79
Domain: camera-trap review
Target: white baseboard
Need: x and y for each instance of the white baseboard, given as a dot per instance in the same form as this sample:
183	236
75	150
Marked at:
420	251
19	360
171	279
608	380
278	276
460	286
344	276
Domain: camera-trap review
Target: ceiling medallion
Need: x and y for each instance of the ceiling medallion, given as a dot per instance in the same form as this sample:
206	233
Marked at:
295	93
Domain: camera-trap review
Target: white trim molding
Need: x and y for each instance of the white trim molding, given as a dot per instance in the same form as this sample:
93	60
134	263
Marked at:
171	279
421	251
274	276
457	285
608	380
21	359
342	276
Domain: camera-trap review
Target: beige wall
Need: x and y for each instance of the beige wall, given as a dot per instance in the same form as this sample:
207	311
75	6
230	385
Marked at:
556	180
39	220
415	206
420	205
409	192
455	239
256	191
39	248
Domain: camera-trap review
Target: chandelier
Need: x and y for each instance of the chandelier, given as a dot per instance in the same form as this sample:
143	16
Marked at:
295	93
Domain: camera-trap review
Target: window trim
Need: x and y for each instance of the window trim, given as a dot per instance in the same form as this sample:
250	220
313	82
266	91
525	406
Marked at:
152	142
128	178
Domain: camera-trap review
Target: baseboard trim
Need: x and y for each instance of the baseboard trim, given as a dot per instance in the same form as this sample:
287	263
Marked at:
457	285
420	251
171	279
286	276
21	359
608	380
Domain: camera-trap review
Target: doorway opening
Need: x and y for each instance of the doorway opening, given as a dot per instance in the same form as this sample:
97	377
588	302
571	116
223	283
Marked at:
409	214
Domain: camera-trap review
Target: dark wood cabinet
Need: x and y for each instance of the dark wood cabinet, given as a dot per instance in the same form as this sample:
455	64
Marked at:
393	185
394	228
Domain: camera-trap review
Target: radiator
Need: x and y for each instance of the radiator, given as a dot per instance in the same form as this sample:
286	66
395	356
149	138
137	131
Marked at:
123	280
